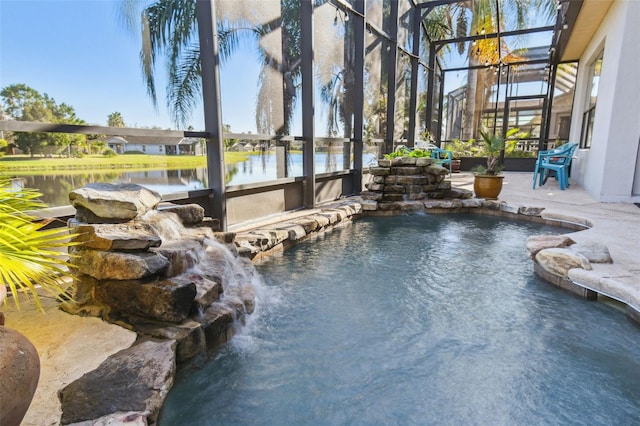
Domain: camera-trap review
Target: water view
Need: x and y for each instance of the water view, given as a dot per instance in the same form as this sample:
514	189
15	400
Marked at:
258	168
417	320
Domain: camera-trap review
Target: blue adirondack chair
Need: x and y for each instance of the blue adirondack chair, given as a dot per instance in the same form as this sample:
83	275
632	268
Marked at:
555	161
444	157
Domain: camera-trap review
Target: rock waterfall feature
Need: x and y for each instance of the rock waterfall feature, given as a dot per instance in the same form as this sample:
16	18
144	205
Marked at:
163	272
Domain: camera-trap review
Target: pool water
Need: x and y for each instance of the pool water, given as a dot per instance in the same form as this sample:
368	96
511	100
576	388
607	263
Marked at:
417	320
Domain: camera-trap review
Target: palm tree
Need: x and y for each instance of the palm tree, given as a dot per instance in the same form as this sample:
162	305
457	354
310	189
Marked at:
169	29
280	72
115	120
29	254
477	17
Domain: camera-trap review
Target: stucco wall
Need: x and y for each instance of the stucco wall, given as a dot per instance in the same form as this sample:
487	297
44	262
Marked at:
607	170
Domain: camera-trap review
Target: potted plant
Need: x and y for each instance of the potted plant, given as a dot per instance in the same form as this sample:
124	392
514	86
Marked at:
28	256
488	180
458	150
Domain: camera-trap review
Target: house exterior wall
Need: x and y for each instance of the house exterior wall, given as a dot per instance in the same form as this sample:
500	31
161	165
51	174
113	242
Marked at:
151	149
609	168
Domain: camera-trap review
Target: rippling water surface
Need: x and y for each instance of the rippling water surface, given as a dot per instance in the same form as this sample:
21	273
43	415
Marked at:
417	320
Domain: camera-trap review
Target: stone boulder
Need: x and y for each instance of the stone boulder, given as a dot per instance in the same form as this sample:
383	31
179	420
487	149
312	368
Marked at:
423	161
434	169
119	419
208	288
379	171
595	252
189	214
217	323
558	261
442	204
189	336
471	202
181	255
530	211
168	300
245	298
119	265
541	242
369	205
404	161
114	237
135	380
461	193
309	225
119	202
492	204
509	208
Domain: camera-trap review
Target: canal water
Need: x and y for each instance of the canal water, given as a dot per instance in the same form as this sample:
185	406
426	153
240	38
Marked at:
258	168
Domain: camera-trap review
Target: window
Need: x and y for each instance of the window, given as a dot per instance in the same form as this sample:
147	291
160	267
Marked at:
590	107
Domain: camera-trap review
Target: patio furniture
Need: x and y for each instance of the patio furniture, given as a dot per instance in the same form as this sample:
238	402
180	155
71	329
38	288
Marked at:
444	157
555	161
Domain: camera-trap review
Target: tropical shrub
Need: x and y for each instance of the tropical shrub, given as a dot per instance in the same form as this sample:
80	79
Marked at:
460	148
109	153
403	151
491	146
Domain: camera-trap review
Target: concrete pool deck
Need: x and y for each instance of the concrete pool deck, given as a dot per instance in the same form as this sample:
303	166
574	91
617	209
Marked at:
70	346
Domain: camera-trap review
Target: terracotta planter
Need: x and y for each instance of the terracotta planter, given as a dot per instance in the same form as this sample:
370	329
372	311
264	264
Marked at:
487	186
19	374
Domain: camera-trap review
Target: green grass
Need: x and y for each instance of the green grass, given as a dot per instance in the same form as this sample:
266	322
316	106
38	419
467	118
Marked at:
40	165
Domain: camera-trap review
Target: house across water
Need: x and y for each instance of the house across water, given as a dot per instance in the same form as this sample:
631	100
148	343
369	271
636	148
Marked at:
155	145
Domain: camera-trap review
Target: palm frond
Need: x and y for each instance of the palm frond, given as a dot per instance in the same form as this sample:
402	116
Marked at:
148	59
129	12
183	87
547	7
229	39
462	29
29	254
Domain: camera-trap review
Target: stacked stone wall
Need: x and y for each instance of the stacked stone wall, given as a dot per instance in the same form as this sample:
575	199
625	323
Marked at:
402	184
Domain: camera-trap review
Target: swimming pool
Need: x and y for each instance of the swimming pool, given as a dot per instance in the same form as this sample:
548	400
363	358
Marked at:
417	320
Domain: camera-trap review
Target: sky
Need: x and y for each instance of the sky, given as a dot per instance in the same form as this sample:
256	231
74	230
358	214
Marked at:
80	53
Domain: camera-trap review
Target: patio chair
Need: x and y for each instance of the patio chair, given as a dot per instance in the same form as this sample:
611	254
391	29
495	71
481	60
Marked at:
444	157
557	161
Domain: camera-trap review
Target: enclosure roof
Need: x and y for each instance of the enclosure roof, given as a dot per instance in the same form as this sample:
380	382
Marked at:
590	14
490	32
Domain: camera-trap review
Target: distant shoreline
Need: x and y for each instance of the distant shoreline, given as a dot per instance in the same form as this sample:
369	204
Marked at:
25	165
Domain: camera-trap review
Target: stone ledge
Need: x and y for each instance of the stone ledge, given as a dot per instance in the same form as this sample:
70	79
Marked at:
564	283
564	218
255	244
611	282
594	278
